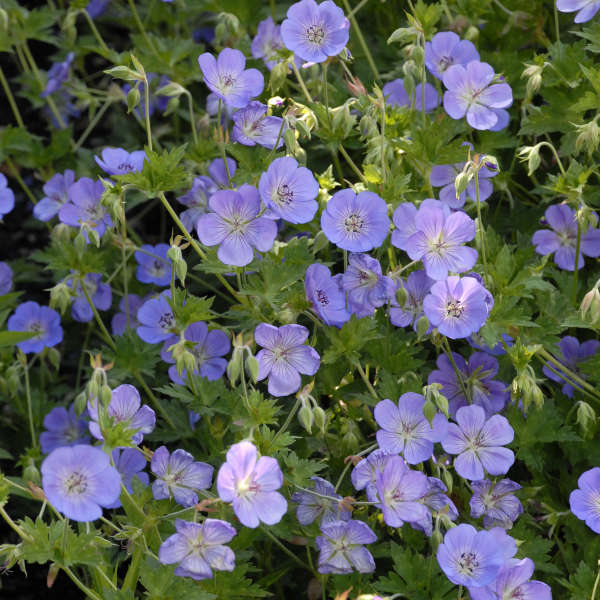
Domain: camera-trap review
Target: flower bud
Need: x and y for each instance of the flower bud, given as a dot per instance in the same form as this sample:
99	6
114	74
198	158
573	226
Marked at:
3	21
588	138
234	367
252	367
586	416
461	182
306	417
591	304
429	410
60	297
133	98
53	571
31	472
401	296
472	33
448	481
80	403
53	356
80	243
422	326
61	232
531	155
320	417
179	263
278	76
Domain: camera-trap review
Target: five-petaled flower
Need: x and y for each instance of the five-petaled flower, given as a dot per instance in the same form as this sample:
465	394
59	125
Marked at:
284	356
250	483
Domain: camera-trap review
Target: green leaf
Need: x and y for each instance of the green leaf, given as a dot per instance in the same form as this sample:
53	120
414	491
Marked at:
162	172
347	341
11	338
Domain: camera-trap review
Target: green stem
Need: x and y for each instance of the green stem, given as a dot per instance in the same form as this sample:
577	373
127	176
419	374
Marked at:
89	593
457	371
357	8
361	40
29	408
596	584
480	221
17	176
133	571
301	82
192	117
95	31
92	124
197	249
352	165
14	526
576	271
285	549
49	98
155	401
558	161
545	354
98	318
342	475
382	149
11	99
140	26
221	144
366	380
147	111
288	419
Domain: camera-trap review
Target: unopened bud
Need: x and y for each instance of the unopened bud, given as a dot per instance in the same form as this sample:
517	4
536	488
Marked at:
80	403
401	296
3	21
133	98
530	155
588	138
590	306
234	367
586	416
472	33
60	297
461	182
53	571
306	417
422	326
252	367
320	417
80	243
174	253
32	473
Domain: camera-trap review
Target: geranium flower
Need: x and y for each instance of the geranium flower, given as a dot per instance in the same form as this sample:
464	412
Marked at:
341	547
447	49
153	264
41	320
284	356
57	194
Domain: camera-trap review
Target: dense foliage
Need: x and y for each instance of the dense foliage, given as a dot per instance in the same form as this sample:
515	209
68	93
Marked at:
300	300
